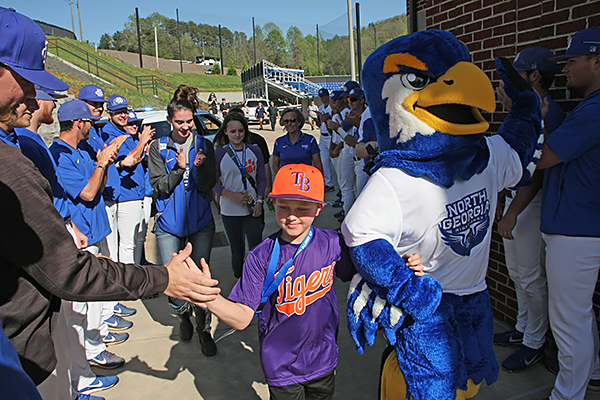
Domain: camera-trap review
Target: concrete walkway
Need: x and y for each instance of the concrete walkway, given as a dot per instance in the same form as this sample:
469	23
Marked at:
159	366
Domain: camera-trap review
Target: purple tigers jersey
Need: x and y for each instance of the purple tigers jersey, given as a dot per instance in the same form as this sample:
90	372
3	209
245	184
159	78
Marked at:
298	325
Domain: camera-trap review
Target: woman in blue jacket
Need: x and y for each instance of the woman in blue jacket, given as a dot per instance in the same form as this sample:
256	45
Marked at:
182	173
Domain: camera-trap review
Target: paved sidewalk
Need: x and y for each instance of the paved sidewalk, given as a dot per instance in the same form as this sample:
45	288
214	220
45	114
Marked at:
160	367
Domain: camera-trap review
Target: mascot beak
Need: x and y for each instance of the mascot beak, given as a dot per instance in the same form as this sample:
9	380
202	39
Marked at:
451	104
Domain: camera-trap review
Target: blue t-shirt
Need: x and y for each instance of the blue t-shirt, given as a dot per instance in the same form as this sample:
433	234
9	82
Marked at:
300	152
33	146
571	197
75	168
132	180
555	115
112	190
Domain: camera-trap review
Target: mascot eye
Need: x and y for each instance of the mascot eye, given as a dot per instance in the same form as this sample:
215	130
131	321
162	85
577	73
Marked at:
414	81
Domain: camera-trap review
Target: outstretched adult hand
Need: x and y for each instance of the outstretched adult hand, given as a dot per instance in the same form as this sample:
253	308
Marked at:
187	282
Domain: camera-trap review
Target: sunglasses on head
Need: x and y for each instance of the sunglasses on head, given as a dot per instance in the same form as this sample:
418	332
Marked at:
289	121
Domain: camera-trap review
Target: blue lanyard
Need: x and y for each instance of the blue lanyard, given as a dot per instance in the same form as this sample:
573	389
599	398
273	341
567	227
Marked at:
273	280
242	165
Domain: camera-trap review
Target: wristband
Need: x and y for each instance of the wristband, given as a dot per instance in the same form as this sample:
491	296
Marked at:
259	201
102	167
119	165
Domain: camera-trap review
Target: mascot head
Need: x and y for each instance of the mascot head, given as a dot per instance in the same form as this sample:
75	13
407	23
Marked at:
423	83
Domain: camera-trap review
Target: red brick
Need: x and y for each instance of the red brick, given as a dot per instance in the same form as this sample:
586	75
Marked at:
509	39
474	26
457	31
480	14
465	38
530	12
552	43
547	31
472	6
474	46
534	23
489	65
498	296
463	19
507	290
446	6
430	12
483	34
509	17
440	17
594	20
482	55
429	21
566	3
492	22
571	27
526	3
512	303
529	36
504	29
455	12
504	7
555	17
493	42
547	6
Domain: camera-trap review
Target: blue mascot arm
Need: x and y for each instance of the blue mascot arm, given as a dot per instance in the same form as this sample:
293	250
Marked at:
385	292
522	127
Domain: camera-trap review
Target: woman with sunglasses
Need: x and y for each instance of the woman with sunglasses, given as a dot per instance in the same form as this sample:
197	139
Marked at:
296	147
241	184
213	106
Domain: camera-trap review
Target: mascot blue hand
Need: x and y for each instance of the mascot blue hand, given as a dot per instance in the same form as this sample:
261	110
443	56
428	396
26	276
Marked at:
522	126
367	312
388	276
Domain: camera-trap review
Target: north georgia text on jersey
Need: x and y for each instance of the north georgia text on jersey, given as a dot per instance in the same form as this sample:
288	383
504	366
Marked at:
467	222
294	297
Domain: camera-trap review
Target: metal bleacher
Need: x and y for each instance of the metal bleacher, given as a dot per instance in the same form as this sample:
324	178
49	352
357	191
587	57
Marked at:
266	80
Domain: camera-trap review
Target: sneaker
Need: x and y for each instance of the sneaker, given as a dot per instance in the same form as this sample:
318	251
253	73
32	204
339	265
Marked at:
100	383
594	385
509	337
339	193
337	203
329	189
107	360
89	397
116	323
338	214
123	311
115	338
522	358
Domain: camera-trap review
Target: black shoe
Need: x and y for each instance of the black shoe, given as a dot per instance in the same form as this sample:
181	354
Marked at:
341	219
522	358
509	337
186	329
338	214
551	364
329	189
337	203
339	193
207	344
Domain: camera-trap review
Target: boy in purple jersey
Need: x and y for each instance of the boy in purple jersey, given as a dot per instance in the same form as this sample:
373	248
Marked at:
299	322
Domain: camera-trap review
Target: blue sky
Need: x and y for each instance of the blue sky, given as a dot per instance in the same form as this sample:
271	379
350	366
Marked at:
107	16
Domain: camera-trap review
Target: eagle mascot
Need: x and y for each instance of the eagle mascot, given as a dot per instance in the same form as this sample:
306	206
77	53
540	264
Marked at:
434	192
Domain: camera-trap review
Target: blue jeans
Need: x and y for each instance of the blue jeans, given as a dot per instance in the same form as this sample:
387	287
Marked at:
236	228
201	241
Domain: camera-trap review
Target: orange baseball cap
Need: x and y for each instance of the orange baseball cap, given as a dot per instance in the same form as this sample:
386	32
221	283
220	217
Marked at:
299	182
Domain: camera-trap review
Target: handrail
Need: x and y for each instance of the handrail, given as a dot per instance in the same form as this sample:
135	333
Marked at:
93	62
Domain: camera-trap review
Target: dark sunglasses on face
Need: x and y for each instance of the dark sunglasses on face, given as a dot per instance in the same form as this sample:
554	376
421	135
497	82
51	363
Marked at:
289	121
353	99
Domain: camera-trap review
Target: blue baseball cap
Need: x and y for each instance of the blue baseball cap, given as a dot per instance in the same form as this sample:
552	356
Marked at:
356	92
323	92
337	94
535	58
583	42
133	117
74	110
116	102
91	93
24	47
348	86
47	94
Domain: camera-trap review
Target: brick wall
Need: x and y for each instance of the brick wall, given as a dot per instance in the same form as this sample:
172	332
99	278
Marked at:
494	28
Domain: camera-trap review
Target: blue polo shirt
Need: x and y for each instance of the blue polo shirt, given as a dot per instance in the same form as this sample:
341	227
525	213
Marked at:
555	115
131	180
75	167
300	152
33	146
112	190
571	197
9	137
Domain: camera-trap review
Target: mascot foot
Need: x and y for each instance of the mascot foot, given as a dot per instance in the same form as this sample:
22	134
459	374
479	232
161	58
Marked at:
393	386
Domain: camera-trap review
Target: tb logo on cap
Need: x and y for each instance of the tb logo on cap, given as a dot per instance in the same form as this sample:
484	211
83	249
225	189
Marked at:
302	181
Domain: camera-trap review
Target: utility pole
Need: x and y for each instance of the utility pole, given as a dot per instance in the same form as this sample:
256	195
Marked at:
72	17
137	22
156	46
79	16
221	47
351	36
358	43
375	35
179	38
318	52
254	38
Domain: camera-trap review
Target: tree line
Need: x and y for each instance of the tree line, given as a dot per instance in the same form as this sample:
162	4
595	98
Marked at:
291	49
